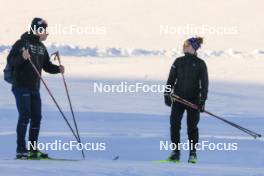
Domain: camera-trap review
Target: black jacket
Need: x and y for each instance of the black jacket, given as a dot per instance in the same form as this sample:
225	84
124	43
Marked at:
189	78
24	75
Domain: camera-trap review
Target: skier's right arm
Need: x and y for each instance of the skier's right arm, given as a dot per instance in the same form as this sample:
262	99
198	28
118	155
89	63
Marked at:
170	83
15	57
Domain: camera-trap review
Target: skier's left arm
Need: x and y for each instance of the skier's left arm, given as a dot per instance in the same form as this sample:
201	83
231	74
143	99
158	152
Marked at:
204	86
48	66
170	83
204	82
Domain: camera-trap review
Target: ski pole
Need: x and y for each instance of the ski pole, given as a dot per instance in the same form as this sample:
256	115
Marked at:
231	123
54	100
253	134
189	104
57	55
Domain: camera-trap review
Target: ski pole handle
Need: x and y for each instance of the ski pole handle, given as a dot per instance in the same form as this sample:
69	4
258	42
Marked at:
57	56
183	101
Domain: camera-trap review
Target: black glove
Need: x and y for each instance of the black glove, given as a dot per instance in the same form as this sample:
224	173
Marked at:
202	105
167	99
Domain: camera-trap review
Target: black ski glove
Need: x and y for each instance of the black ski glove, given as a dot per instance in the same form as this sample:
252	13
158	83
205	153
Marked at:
202	105
167	99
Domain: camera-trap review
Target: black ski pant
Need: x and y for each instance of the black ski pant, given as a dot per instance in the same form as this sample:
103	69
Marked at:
193	117
29	108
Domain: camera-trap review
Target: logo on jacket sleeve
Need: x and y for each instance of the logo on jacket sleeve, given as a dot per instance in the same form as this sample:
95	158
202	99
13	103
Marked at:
35	49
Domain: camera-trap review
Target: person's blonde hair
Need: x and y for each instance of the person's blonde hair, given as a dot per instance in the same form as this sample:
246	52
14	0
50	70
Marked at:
195	42
200	40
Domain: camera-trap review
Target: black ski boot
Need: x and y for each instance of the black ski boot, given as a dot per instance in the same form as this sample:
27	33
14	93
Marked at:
22	155
37	155
174	156
192	158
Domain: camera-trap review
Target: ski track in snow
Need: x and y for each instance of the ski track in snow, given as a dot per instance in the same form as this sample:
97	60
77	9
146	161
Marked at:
134	135
118	168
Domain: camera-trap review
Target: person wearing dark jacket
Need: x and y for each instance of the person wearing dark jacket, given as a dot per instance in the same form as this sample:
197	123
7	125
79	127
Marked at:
188	78
26	85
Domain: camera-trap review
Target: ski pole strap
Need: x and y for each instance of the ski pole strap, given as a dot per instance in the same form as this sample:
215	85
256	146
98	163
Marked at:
57	56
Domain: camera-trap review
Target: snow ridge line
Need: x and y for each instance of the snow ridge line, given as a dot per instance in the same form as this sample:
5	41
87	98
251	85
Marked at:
77	51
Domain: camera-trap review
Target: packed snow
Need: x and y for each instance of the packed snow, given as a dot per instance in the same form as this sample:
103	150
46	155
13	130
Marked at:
132	50
134	123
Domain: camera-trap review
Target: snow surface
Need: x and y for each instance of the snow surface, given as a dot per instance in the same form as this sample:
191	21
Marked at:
132	50
133	124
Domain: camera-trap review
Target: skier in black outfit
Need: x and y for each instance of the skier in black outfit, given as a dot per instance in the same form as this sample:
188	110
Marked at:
188	79
26	84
